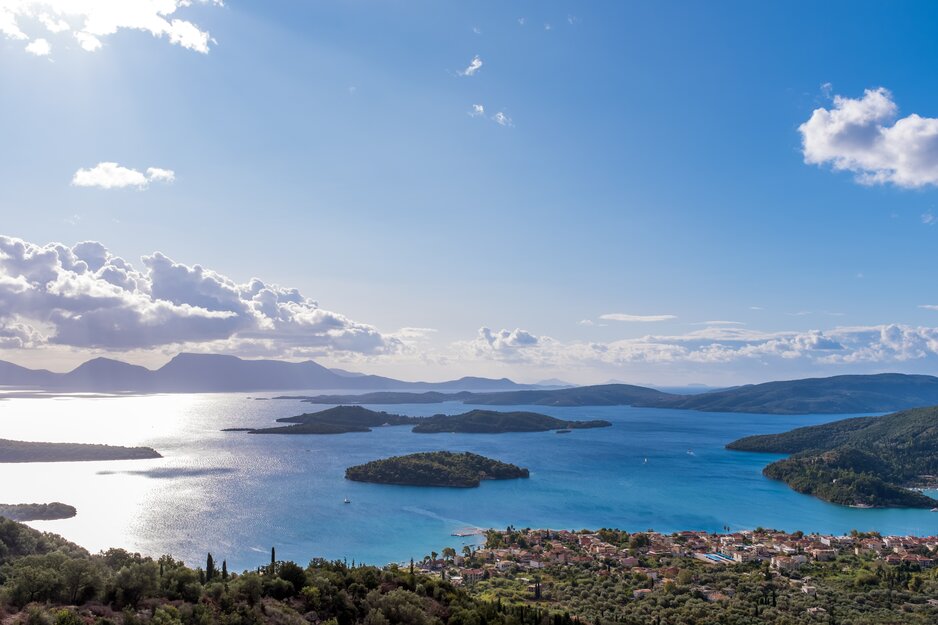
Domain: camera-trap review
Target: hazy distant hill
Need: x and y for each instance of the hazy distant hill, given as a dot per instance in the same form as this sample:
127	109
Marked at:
219	373
842	394
835	395
866	461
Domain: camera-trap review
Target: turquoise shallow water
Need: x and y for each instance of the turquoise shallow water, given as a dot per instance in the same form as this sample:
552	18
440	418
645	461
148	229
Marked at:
236	494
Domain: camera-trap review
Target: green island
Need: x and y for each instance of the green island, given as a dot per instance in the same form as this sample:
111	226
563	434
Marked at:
518	577
864	462
24	451
343	419
435	468
37	511
495	422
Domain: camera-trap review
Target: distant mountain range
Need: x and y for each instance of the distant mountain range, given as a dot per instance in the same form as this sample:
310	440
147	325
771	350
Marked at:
844	394
206	373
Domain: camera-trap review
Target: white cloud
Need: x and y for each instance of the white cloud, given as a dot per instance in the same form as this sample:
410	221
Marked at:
39	47
714	345
865	137
477	110
474	66
155	174
502	120
84	296
638	318
929	306
929	219
90	20
113	176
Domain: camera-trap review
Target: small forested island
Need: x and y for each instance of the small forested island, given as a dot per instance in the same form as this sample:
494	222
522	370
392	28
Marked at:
37	511
435	468
873	462
343	419
495	422
27	451
338	420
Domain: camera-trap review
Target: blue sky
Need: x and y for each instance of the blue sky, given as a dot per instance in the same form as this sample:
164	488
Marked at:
649	163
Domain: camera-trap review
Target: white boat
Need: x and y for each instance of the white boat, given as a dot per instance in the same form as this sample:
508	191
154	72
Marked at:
346	500
934	509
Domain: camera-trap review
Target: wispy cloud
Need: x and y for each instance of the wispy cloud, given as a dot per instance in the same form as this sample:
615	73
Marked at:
502	119
864	136
113	176
636	318
929	219
477	110
474	66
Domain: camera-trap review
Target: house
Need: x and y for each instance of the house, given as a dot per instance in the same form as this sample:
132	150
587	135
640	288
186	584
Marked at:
470	576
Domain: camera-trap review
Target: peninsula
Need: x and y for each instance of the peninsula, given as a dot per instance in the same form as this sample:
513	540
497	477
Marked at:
26	451
872	462
437	468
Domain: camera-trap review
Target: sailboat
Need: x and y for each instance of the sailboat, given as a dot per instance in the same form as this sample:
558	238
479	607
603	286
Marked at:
346	500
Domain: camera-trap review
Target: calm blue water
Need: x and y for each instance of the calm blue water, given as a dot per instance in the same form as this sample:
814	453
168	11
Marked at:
236	494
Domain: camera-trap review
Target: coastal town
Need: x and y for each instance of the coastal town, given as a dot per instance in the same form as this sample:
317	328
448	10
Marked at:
555	569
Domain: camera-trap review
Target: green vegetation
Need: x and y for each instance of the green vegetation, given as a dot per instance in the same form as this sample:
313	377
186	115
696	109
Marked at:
438	468
867	461
494	422
37	511
22	451
342	419
45	580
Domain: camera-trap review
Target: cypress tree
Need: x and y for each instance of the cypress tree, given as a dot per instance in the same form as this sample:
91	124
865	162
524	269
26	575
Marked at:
209	568
224	570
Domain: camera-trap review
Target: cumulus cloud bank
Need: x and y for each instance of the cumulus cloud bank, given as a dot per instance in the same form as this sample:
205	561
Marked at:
113	176
864	136
714	344
84	296
88	21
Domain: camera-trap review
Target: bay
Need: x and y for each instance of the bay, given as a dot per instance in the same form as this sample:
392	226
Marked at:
236	494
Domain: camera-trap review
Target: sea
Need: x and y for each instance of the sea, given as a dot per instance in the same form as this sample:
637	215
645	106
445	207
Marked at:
236	495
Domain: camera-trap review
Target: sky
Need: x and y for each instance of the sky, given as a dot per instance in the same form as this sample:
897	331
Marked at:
657	193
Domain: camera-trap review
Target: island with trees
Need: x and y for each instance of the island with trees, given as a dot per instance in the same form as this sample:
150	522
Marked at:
344	419
28	451
495	422
436	468
37	511
874	462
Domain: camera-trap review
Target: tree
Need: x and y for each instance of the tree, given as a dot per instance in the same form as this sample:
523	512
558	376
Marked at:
449	553
209	568
224	570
